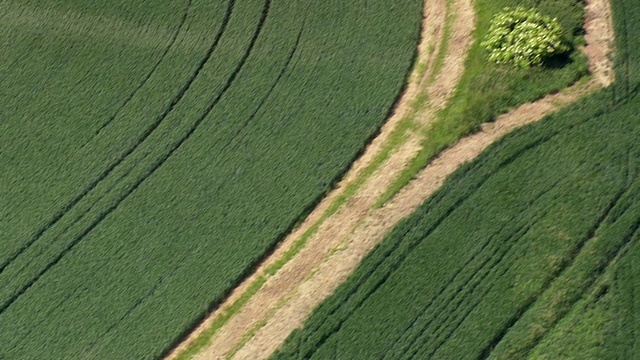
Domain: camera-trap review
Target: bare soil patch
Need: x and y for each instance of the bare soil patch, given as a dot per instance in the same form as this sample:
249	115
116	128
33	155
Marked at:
599	36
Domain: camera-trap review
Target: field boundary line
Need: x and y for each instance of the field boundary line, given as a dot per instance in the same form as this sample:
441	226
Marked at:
319	281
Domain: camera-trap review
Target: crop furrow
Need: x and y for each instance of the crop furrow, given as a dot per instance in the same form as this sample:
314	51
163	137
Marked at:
81	216
262	102
183	263
614	250
621	250
430	313
155	166
487	350
273	86
149	74
149	294
129	151
234	74
621	208
467	269
421	342
464	316
509	260
402	339
609	213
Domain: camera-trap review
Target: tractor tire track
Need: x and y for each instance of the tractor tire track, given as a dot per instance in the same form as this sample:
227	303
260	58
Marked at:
602	269
113	187
488	349
444	300
609	213
148	76
457	300
500	264
275	84
618	252
149	294
614	254
182	263
157	163
58	216
470	309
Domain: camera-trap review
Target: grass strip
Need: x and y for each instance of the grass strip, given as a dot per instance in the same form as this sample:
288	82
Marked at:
205	338
487	90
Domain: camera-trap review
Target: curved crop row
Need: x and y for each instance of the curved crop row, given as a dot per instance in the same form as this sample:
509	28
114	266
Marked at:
240	123
48	246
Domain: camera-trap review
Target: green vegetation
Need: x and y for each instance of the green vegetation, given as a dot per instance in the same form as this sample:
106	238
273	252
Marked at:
203	340
152	154
488	89
523	37
530	251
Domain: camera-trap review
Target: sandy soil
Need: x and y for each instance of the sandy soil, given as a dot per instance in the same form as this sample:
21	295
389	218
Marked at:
599	36
288	297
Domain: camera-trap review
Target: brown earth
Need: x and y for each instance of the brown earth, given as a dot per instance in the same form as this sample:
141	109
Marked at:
289	296
599	36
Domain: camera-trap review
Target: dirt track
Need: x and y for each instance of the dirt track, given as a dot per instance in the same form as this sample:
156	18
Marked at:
288	297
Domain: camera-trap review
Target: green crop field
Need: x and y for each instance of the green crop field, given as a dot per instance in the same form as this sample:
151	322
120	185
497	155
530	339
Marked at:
152	152
530	251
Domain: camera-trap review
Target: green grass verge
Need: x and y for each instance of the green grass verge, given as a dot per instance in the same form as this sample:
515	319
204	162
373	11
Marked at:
203	340
487	90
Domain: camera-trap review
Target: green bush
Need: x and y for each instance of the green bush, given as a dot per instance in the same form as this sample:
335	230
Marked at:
524	37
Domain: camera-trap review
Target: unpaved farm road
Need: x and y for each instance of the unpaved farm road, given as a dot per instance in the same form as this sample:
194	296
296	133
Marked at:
288	297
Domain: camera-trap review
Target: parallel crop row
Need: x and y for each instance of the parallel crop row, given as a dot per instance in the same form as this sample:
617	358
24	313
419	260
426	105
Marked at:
150	213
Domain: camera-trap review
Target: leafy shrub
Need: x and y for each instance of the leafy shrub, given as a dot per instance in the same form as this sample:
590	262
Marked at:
524	37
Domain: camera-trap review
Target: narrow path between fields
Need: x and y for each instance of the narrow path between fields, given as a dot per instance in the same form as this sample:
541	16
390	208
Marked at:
343	239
